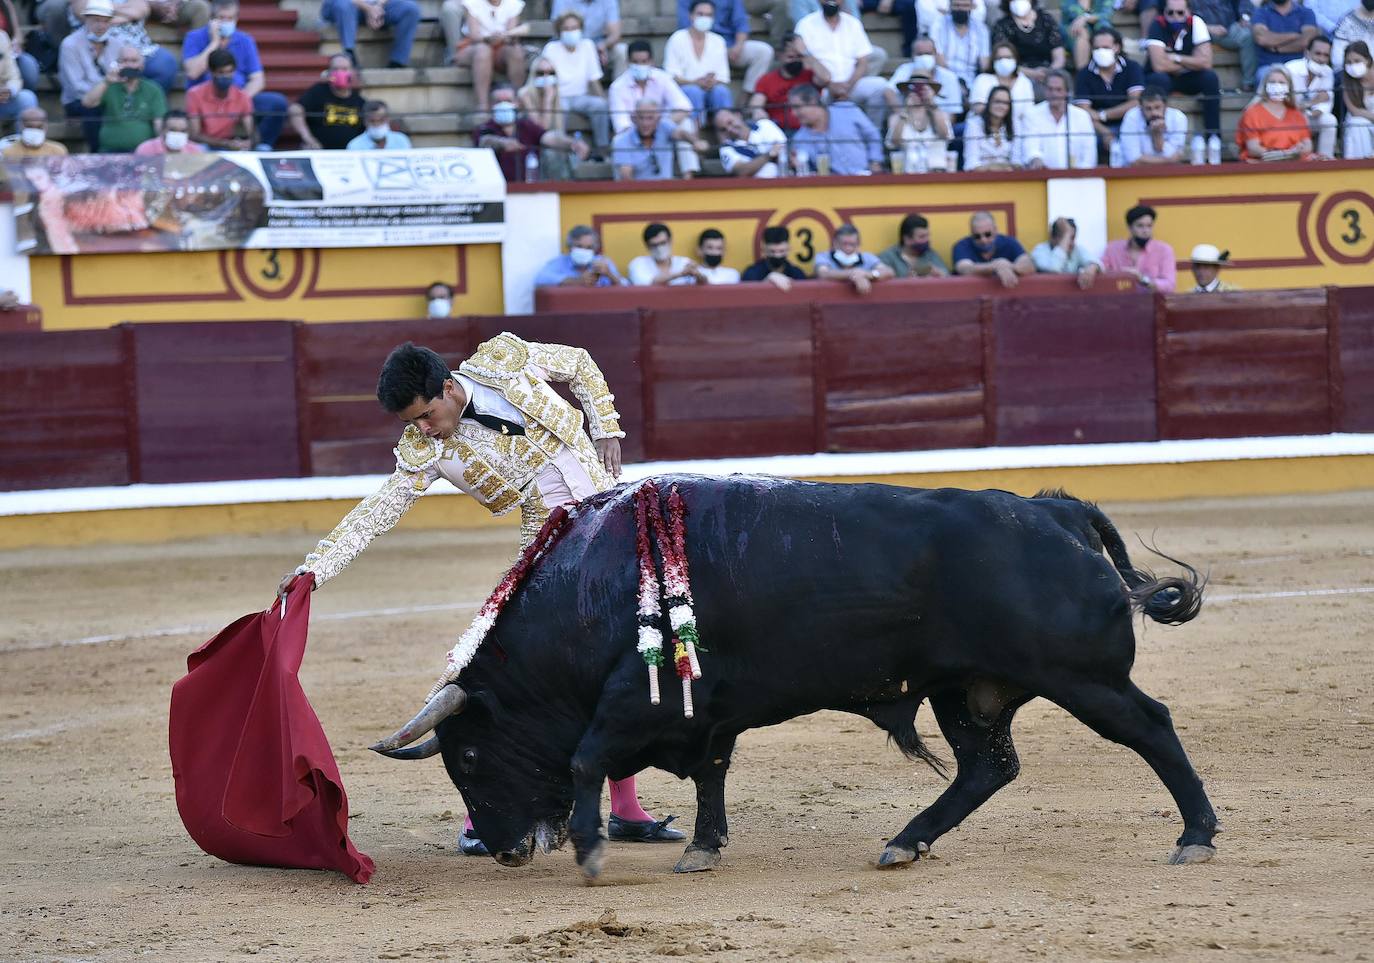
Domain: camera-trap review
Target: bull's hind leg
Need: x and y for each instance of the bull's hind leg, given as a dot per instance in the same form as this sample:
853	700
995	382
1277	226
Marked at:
1130	717
712	832
977	724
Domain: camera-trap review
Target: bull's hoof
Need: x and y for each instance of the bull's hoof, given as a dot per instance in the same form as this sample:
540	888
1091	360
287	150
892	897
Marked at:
593	861
895	855
1195	853
696	859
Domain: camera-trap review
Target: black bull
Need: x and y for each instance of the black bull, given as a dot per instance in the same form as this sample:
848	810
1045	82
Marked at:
859	598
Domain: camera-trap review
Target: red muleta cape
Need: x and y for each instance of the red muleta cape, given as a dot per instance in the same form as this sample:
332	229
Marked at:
256	781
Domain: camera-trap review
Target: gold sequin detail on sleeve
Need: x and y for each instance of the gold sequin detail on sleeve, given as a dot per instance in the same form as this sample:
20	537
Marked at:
374	515
575	366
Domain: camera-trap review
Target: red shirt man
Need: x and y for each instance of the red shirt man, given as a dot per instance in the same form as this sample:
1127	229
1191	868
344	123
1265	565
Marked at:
796	67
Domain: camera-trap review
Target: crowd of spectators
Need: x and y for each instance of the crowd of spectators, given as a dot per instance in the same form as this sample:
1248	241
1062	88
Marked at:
989	84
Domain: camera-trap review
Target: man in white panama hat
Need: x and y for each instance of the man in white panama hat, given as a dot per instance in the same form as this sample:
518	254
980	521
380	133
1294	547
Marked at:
1207	262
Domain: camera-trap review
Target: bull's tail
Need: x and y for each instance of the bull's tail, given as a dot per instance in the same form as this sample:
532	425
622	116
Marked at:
1171	600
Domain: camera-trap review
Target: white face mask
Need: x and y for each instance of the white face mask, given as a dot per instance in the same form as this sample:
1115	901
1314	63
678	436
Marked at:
703	24
1357	69
440	307
503	113
33	136
1276	91
378	131
545	81
845	260
924	63
570	38
641	72
175	140
661	252
1005	66
582	256
1104	57
1019	8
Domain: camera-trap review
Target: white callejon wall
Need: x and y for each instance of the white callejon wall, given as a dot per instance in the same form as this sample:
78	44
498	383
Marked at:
1085	200
534	235
14	267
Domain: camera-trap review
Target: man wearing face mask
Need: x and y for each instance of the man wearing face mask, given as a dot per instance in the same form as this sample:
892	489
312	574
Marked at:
131	107
377	134
912	256
1110	86
962	42
1355	27
515	138
581	266
1140	254
846	262
711	251
661	265
1180	50
839	41
1282	30
175	137
438	301
642	81
796	67
83	60
33	139
949	97
221	113
224	34
1314	86
774	267
329	114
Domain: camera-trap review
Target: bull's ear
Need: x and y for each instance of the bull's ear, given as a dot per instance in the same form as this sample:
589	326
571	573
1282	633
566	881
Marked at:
482	705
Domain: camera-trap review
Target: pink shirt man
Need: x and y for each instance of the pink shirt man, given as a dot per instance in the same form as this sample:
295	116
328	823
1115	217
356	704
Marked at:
1155	262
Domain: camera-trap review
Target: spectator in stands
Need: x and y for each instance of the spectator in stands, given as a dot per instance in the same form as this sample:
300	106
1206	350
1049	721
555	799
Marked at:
1273	128
539	98
710	252
14	99
660	265
796	66
59	18
1109	86
581	266
961	41
987	252
1153	132
1314	89
730	22
838	139
838	40
438	301
696	58
1081	19
491	40
1141	254
377	133
642	81
1062	255
222	33
131	106
1228	21
1282	29
1059	136
1180	52
329	114
1035	34
515	139
221	112
918	132
83	60
1006	73
12	28
990	139
644	151
174	139
949	95
8	300
912	256
402	16
1328	12
1357	91
846	262
1207	262
749	149
33	139
578	68
929	11
600	25
1355	26
774	267
127	29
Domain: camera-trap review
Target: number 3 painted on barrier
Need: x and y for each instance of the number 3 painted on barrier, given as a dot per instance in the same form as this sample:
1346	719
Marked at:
1352	218
808	252
274	259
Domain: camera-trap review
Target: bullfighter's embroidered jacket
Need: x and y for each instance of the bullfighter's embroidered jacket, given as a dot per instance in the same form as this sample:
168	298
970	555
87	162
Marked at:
554	462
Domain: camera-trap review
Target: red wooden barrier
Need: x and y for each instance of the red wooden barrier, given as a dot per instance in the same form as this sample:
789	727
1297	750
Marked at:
1352	358
26	317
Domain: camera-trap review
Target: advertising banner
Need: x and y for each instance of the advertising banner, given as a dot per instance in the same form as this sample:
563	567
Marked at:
96	203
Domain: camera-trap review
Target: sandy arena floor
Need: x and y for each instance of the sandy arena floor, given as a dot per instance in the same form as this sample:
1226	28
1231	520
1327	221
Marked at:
1273	692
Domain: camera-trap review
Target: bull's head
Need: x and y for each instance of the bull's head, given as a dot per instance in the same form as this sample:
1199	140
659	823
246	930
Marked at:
517	785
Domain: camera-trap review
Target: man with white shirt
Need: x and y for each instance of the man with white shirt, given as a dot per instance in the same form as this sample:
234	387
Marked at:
949	96
711	251
1314	90
1153	132
839	42
961	40
661	265
749	149
578	65
1059	135
642	82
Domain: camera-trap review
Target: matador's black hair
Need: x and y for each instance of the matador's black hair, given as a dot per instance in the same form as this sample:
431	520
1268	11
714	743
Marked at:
410	372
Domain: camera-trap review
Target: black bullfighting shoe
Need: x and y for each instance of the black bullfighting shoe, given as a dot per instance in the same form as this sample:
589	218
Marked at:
644	831
470	845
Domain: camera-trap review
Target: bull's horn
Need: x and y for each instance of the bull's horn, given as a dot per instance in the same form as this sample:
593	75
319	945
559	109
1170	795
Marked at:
423	751
446	702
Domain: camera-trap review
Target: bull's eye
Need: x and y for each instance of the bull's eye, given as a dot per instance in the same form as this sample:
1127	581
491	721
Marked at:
468	761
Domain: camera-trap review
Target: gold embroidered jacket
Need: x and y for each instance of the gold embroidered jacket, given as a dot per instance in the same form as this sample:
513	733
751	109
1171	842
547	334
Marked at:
500	471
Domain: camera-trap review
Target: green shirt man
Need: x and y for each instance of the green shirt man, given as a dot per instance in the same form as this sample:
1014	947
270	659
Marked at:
912	256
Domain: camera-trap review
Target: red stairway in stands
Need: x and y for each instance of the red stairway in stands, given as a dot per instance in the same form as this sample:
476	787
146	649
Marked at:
291	58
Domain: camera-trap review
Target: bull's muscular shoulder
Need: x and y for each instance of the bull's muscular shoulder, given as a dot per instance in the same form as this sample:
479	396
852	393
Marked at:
416	451
499	358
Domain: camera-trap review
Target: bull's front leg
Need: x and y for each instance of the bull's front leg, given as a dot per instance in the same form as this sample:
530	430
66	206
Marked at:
712	831
584	828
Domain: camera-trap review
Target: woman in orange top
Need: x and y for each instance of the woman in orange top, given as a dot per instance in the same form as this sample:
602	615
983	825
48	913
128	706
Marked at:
1273	128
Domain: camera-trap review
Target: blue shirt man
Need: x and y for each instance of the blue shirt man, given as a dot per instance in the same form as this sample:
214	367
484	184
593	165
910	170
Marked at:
642	152
222	33
244	48
841	131
581	266
1277	17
